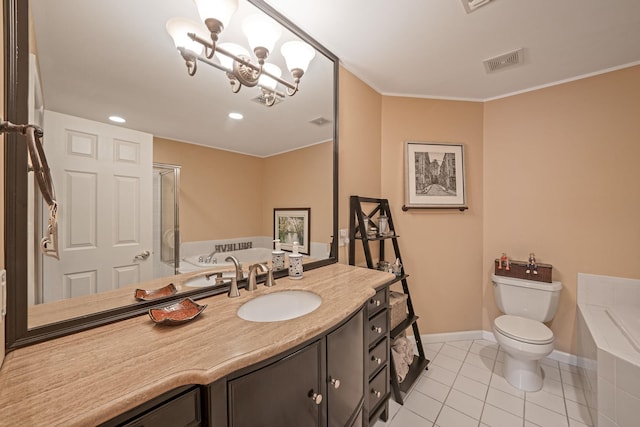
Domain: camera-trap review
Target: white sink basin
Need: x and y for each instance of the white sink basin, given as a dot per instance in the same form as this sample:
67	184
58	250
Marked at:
283	305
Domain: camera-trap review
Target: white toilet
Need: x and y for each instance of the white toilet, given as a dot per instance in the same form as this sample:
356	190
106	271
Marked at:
520	331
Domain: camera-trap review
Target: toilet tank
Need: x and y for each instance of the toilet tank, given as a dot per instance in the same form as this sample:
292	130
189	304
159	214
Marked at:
526	298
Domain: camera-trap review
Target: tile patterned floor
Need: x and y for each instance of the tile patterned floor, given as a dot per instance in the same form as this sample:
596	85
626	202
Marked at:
464	386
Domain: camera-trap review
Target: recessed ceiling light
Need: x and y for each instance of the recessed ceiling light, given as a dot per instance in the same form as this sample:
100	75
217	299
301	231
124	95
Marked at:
236	116
117	119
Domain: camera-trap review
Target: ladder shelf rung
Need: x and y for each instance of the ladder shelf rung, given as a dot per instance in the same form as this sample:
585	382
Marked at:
415	370
410	320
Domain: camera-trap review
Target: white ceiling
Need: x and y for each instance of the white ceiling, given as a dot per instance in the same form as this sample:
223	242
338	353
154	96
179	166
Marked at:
433	48
103	57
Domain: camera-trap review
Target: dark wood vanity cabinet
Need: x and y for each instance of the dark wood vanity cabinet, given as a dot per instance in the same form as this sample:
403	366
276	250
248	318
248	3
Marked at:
285	393
377	363
345	372
321	384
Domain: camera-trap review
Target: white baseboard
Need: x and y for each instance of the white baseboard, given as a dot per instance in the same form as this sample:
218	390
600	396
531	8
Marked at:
560	356
450	336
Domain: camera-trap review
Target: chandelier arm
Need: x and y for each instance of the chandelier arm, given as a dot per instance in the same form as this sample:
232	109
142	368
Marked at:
235	84
280	80
209	45
213	64
294	90
270	102
208	52
192	67
189	60
272	91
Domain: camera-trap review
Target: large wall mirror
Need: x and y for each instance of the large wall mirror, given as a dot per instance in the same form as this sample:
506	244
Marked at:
173	190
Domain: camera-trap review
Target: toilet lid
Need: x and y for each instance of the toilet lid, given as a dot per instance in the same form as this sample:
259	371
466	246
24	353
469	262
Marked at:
523	329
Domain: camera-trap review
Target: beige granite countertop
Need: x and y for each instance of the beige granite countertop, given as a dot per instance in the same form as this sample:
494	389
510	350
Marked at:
90	377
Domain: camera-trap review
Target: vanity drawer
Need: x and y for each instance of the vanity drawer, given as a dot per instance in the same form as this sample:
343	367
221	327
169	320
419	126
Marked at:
180	411
377	389
378	356
378	326
377	302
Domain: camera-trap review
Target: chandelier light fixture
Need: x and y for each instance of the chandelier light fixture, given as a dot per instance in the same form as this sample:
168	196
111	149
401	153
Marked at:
262	33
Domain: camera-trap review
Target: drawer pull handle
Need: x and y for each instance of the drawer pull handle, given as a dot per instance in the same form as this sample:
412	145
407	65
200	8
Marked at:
376	393
375	302
376	329
335	382
378	360
316	397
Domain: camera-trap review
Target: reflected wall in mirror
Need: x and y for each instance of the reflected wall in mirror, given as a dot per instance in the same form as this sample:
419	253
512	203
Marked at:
92	59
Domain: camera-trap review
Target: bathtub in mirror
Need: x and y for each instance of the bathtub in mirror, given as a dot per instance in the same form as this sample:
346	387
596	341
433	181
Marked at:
232	174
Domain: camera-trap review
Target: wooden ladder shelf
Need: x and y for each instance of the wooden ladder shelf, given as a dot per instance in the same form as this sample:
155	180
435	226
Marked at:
358	231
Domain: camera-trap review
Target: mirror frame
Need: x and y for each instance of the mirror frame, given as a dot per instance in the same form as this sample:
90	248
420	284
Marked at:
16	70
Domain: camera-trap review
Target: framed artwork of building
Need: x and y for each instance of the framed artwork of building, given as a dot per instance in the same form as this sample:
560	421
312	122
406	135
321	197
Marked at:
434	176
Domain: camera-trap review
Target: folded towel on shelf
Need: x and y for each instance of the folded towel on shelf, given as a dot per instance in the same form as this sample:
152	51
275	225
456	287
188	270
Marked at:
400	363
402	352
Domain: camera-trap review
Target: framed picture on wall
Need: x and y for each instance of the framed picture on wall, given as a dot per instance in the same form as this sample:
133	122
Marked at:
292	225
434	175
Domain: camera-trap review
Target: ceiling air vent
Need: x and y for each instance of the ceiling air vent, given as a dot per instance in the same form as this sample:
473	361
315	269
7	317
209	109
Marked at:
504	61
260	99
320	121
471	5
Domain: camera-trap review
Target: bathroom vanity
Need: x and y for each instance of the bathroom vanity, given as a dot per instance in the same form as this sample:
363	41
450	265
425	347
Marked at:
215	370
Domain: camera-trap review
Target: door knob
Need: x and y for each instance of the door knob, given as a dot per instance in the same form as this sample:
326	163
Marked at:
335	382
142	256
316	397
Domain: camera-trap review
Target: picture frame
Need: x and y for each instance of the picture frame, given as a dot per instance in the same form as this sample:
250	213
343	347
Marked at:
293	224
434	176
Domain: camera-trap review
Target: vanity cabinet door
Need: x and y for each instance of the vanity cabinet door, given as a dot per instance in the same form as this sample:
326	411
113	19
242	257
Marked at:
285	393
345	371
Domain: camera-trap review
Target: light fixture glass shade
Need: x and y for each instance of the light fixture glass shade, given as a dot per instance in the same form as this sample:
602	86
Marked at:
221	10
297	54
178	29
261	31
269	82
227	62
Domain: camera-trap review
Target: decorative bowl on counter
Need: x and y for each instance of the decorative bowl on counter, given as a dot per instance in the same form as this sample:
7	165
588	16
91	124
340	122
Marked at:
148	295
177	313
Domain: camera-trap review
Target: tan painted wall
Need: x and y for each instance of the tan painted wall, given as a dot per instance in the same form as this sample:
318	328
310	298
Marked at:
441	250
359	146
220	191
301	179
562	180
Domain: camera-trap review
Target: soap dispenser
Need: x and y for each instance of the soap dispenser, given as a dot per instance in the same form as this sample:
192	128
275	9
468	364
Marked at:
295	263
277	256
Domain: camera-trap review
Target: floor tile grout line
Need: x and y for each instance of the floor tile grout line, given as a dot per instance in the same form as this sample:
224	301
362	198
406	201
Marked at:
494	365
486	393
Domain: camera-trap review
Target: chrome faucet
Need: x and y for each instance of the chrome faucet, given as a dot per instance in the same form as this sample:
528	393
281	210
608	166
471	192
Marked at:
253	285
209	259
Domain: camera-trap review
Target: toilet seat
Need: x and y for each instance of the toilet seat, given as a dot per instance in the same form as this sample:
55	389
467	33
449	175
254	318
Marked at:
522	329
